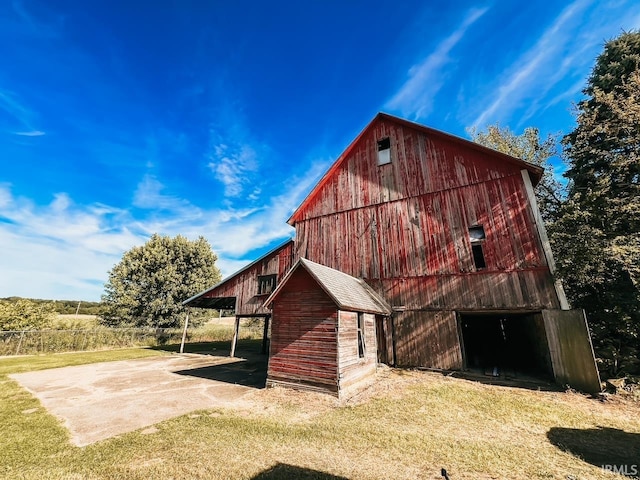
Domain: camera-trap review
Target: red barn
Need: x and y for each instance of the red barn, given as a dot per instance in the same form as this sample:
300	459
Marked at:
448	233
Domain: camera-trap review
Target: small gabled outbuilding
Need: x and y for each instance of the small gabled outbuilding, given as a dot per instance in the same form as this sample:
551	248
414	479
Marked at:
323	335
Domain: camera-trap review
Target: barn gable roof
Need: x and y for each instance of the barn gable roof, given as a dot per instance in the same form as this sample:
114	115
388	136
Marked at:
348	293
200	300
535	171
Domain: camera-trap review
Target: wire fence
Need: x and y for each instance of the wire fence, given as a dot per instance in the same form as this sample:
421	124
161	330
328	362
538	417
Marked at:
31	342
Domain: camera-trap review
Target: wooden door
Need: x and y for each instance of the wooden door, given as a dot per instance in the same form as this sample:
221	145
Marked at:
571	351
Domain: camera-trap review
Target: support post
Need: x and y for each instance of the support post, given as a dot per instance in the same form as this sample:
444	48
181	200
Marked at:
265	334
184	332
544	239
234	342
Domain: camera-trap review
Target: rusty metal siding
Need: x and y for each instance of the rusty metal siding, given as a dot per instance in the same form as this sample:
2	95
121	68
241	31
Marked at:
303	347
244	286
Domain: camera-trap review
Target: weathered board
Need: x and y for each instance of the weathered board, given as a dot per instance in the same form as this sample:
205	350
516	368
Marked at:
304	346
428	339
352	369
243	286
571	350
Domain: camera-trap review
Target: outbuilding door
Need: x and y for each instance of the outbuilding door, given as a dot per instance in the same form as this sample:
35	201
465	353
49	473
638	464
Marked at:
571	349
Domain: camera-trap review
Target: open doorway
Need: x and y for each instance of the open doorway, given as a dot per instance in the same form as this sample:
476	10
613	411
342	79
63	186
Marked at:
507	345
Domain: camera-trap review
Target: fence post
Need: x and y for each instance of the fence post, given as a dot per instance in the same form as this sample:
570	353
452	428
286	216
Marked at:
20	342
184	332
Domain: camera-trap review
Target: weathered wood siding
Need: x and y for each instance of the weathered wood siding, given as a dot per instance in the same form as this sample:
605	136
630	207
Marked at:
404	227
244	286
428	339
571	350
420	164
304	347
353	370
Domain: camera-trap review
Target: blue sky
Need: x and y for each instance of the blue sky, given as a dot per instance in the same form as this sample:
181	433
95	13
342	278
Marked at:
119	119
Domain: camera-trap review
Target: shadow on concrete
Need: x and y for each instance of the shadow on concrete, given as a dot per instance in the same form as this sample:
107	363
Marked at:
601	447
282	470
250	371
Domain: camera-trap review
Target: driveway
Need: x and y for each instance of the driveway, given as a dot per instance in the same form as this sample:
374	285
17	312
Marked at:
102	400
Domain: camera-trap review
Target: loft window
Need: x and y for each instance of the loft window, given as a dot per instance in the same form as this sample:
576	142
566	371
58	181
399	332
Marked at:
266	284
361	344
384	151
477	237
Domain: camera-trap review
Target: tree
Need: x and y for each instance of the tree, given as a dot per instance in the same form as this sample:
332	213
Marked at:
23	314
528	147
597	235
147	287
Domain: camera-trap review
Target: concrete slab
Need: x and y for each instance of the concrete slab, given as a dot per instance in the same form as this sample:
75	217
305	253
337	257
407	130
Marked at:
102	400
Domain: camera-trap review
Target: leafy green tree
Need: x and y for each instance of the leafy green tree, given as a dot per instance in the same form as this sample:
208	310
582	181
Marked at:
147	287
597	235
529	147
23	314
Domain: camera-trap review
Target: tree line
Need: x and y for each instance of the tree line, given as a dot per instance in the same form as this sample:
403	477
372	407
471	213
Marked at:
593	220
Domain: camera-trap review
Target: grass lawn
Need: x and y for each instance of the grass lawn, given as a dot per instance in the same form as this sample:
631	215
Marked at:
409	425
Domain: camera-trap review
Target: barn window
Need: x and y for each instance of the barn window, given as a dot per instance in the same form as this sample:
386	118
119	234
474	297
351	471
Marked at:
477	237
266	284
384	151
361	344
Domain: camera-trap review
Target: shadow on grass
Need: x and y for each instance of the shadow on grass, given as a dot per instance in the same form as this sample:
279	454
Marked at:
282	470
219	348
601	447
514	379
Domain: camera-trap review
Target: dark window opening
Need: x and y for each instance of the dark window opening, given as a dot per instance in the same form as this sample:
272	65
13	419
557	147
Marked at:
477	237
384	151
361	344
266	284
478	256
384	144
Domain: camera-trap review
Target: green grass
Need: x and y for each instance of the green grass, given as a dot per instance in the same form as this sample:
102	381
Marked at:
409	425
42	362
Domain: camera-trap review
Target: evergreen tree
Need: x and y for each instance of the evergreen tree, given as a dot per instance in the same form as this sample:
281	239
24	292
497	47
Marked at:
528	147
597	235
147	287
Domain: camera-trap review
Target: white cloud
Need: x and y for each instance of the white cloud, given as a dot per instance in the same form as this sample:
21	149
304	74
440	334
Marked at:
556	67
531	68
32	133
11	104
233	164
415	97
64	251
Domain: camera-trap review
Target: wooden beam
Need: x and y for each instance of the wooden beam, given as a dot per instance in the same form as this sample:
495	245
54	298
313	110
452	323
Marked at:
234	342
265	334
544	239
184	332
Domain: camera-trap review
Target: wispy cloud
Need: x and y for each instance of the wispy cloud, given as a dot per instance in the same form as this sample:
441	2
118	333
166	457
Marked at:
32	133
415	97
11	105
531	68
61	232
233	164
